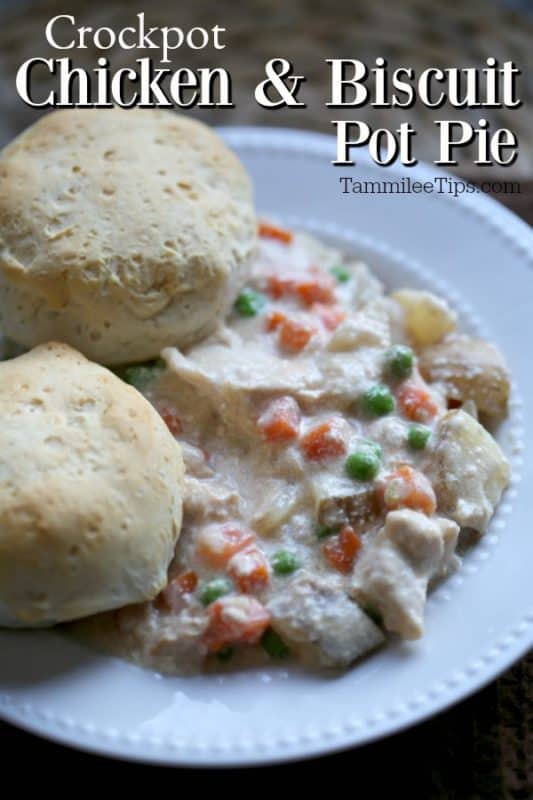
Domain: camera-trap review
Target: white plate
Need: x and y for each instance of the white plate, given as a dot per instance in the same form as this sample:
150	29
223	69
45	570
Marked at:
479	255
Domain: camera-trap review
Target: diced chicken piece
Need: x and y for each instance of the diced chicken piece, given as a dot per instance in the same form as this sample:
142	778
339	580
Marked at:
178	641
391	434
467	469
195	461
229	376
427	318
369	327
243	364
364	287
321	623
469	369
209	499
395	567
210	393
339	501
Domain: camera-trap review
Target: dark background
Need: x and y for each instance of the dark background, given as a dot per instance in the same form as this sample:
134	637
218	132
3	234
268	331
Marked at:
483	748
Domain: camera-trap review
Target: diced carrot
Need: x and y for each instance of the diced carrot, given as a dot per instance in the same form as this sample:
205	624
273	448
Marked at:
170	417
170	599
408	488
341	550
269	231
416	402
216	544
235	620
187	581
294	335
280	421
249	569
279	287
320	289
274	320
323	442
330	316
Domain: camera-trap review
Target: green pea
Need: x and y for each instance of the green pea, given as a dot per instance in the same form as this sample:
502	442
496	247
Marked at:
274	644
399	360
226	654
249	303
417	436
377	401
284	562
340	273
212	590
363	465
141	375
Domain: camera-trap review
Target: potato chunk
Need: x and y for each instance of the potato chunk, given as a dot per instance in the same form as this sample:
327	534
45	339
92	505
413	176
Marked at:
340	501
468	470
427	318
469	369
394	570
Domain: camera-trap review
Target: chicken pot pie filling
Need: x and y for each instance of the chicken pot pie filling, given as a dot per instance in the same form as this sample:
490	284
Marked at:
333	454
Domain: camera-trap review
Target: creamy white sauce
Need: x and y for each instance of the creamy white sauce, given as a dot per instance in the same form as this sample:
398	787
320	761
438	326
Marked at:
219	390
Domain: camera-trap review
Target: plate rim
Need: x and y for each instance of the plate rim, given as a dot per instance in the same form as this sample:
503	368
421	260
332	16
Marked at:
519	637
118	750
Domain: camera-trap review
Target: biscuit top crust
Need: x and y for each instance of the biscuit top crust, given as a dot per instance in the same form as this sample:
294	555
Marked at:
143	205
91	491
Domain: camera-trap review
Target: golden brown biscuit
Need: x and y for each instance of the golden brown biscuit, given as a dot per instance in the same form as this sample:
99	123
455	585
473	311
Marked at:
121	232
90	490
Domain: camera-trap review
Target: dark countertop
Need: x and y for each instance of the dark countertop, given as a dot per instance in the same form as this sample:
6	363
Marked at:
482	749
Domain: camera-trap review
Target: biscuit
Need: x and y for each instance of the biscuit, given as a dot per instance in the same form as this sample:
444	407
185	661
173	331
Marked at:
90	491
121	232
